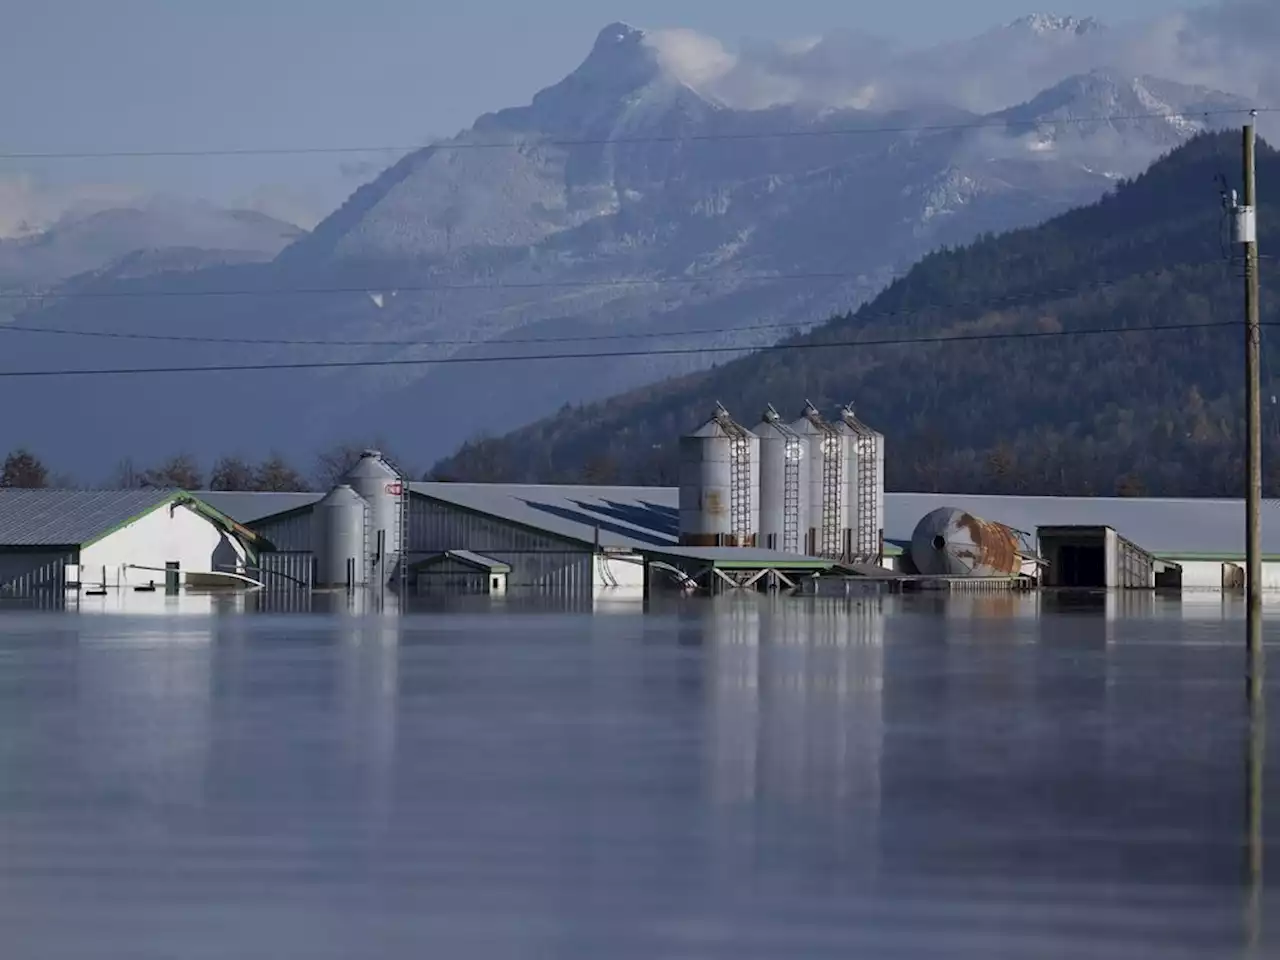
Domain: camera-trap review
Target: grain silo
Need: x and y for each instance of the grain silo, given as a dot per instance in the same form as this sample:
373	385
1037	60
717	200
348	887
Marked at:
719	484
952	543
866	486
382	487
340	524
784	485
829	532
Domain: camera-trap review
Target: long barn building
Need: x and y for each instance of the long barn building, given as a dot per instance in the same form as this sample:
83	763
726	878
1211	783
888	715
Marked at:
567	540
582	539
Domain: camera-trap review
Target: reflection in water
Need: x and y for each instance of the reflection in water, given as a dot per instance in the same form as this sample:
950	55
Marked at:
188	603
143	712
982	776
368	700
795	726
1255	821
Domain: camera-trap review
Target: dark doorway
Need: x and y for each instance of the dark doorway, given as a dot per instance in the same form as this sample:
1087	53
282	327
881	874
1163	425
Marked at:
1080	566
171	577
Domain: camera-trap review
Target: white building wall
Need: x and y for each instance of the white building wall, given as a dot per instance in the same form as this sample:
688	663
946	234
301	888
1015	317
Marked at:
1207	574
165	535
1112	548
1197	575
620	574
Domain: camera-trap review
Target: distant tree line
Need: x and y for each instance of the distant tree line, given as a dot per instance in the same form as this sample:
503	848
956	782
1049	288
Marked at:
23	469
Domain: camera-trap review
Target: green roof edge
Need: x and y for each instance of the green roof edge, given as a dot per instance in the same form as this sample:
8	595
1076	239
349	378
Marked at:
173	497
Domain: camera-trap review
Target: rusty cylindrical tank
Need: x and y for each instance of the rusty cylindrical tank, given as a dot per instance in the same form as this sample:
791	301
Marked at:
952	543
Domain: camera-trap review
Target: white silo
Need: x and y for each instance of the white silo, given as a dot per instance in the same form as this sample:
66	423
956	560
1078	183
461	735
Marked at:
830	518
340	523
382	487
719	484
784	485
866	484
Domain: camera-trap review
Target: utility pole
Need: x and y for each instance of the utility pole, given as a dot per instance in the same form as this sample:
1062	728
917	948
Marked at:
1247	234
1246	230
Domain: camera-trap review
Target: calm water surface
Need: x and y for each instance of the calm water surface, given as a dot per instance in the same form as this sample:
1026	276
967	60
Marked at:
989	777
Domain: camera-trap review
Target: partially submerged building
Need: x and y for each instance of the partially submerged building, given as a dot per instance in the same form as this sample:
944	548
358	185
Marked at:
1114	542
575	540
119	539
748	513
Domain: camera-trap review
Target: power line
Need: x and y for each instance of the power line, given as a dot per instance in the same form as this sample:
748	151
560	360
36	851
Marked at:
369	290
864	314
612	354
725	136
393	289
283	342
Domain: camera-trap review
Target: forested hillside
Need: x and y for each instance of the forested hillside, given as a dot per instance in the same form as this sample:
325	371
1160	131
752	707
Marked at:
1148	411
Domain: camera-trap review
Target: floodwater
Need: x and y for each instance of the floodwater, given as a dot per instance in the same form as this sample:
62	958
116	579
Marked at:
983	777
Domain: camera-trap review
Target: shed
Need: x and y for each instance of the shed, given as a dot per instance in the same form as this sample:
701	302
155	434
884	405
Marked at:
461	571
1099	557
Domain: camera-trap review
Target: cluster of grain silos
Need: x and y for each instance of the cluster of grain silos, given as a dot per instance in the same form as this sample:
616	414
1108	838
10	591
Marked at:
810	487
359	527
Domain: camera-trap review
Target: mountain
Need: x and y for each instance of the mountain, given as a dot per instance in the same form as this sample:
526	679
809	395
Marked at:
629	205
1048	24
1146	411
78	244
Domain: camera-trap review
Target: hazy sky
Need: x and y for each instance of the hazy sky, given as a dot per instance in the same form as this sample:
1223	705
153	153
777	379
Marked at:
100	75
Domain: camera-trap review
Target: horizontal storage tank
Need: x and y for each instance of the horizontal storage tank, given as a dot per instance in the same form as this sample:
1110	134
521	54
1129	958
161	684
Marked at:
340	522
784	485
719	484
382	487
829	529
866	485
952	543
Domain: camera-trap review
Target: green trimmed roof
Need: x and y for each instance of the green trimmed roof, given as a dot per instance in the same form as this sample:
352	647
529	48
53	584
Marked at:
78	518
64	518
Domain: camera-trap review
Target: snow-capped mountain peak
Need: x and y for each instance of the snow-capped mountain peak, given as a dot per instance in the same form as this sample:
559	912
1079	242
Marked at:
618	34
621	62
1050	24
620	57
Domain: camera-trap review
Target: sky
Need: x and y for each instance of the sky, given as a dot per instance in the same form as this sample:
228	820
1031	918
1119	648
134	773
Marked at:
128	75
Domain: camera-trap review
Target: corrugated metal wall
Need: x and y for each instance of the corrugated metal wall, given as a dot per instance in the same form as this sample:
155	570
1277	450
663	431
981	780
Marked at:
286	570
537	560
450	576
282	601
291	534
1136	567
24	573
